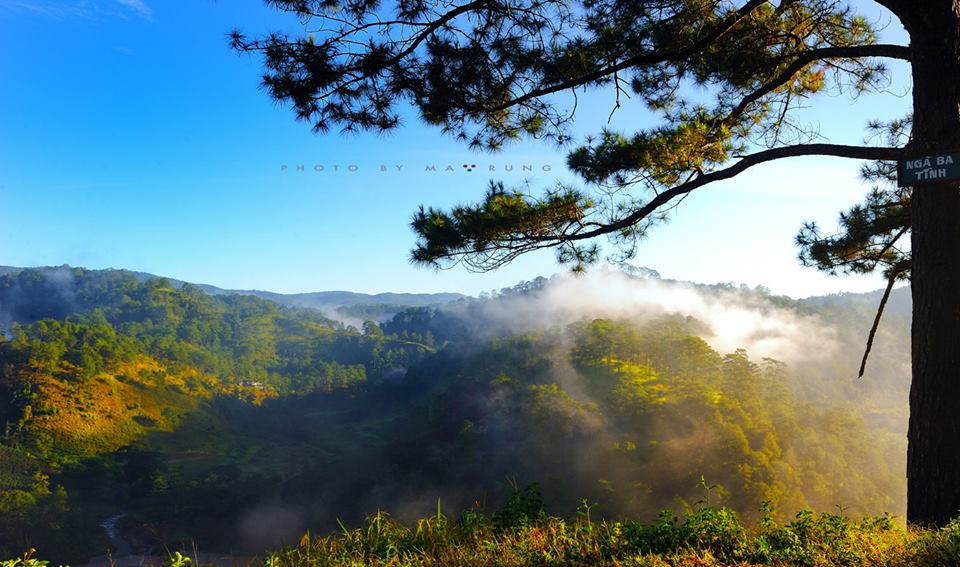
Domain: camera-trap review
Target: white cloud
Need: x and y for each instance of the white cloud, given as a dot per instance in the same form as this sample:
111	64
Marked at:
736	320
83	9
50	9
139	6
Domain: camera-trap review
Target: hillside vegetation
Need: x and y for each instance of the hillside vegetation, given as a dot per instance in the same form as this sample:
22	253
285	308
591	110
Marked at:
238	424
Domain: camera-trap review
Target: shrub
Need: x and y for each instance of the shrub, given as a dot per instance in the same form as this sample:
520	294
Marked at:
521	509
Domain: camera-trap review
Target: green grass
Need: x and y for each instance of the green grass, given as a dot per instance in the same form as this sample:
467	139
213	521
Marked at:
707	537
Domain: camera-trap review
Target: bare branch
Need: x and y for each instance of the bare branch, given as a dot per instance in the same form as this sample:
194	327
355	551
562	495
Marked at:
896	7
895	272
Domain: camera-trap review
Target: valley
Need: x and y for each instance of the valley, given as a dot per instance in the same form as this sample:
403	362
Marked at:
234	423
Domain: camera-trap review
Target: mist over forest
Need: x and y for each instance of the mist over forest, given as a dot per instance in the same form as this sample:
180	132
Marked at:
194	414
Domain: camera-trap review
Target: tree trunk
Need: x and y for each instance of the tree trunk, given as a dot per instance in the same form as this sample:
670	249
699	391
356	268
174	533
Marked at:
933	456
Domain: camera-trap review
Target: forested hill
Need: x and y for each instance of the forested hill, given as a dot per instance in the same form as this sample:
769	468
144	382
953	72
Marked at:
899	306
61	280
239	423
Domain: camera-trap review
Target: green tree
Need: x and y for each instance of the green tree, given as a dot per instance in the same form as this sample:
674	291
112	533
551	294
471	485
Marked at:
725	77
372	330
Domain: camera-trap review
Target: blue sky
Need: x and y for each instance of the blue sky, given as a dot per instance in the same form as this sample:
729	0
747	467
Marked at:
132	137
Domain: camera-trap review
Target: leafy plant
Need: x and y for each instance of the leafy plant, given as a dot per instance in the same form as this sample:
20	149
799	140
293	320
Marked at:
521	509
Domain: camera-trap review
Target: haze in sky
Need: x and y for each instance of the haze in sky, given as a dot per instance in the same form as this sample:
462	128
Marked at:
133	137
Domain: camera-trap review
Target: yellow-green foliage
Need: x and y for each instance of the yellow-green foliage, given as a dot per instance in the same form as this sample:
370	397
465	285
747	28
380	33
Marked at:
119	406
26	561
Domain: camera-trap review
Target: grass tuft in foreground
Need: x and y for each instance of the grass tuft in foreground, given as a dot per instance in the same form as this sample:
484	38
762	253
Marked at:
710	536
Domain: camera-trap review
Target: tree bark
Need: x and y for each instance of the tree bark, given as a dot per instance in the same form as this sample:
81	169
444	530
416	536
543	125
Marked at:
933	456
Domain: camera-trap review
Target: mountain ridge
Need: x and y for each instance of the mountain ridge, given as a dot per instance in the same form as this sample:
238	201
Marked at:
321	300
899	298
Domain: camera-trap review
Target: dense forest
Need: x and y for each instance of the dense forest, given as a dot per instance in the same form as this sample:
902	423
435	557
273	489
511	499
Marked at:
237	423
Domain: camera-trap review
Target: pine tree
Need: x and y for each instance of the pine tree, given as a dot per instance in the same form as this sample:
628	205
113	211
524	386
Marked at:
491	71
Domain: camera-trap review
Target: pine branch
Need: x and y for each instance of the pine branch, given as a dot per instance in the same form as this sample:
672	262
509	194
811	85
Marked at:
645	59
807	57
505	225
836	150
